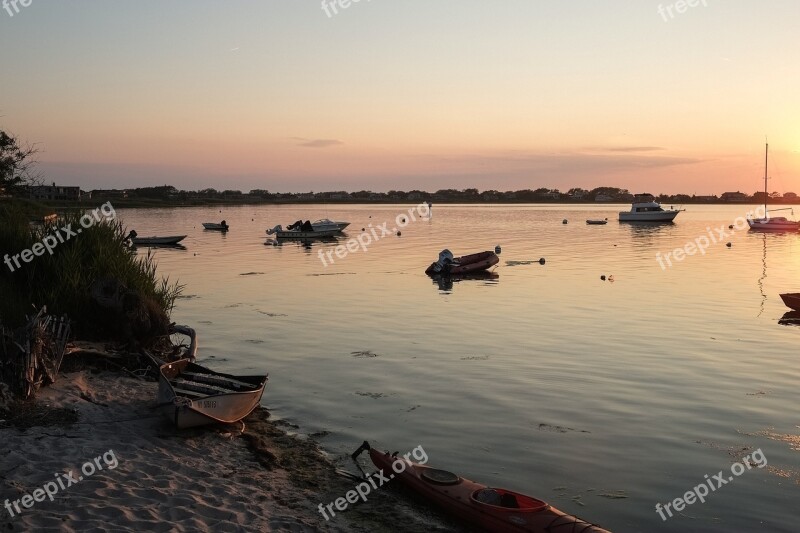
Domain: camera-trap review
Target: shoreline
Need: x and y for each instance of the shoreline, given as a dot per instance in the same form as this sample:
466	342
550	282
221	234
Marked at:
206	479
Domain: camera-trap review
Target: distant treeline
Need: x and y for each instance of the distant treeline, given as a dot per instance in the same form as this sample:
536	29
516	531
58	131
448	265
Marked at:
169	195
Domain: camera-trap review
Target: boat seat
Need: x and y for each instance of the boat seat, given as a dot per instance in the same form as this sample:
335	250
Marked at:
208	390
218	380
188	393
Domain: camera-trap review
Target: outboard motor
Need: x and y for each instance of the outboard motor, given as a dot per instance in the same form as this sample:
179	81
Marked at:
443	264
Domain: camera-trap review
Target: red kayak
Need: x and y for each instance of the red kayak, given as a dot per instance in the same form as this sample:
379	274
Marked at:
464	264
492	509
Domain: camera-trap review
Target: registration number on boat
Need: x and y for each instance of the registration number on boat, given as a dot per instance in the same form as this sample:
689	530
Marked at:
208	404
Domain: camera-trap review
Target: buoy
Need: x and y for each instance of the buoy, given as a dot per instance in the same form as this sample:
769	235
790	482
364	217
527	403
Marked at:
541	261
565	221
399	233
362	229
403	220
603	277
730	226
729	245
497	249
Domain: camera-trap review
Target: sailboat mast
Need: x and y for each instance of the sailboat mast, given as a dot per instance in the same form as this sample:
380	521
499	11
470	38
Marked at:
766	162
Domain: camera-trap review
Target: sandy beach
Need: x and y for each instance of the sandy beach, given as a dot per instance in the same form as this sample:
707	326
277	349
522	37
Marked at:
112	463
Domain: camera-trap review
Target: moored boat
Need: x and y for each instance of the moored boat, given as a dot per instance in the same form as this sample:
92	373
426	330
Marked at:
481	506
597	222
191	395
792	300
645	209
448	265
301	230
155	241
222	226
768	223
325	224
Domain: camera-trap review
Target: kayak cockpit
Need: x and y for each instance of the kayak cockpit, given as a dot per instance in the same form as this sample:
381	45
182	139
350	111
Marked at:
502	499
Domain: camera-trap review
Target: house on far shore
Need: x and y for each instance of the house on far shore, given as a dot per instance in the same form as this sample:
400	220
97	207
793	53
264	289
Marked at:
708	198
603	198
734	197
109	193
57	192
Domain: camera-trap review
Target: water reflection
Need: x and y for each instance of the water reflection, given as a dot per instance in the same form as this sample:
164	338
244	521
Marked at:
790	318
307	243
763	275
445	283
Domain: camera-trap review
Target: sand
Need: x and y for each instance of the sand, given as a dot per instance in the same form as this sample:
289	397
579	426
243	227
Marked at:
157	478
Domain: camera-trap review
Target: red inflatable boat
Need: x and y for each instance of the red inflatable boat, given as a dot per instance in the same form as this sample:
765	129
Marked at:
491	509
462	265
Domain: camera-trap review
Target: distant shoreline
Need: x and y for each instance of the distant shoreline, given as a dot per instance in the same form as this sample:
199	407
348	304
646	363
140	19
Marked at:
139	203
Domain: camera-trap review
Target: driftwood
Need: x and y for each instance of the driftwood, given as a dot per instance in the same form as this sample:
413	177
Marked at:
31	355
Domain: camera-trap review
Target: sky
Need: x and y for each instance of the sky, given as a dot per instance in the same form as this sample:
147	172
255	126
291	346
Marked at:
411	94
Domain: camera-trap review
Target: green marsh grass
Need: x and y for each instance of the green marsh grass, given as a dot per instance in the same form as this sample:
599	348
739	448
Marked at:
62	281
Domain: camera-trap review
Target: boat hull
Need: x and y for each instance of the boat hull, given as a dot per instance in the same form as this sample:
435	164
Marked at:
304	235
766	224
461	498
597	222
792	300
326	225
653	216
156	241
215	227
466	264
190	395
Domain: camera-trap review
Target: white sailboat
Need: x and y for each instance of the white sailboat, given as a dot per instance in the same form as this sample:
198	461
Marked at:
769	223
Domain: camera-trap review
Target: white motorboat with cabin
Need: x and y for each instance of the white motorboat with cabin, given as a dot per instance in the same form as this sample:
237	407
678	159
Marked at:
326	224
768	223
645	209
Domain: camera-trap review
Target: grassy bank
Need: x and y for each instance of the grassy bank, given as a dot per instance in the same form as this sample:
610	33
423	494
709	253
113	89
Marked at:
62	280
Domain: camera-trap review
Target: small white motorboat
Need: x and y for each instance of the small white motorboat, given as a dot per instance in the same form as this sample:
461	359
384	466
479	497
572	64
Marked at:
191	395
155	241
646	209
301	230
222	226
326	224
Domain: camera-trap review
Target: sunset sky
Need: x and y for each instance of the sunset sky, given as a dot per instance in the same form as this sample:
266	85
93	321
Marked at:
391	94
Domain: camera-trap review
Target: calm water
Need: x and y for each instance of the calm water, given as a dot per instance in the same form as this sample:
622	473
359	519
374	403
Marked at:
544	379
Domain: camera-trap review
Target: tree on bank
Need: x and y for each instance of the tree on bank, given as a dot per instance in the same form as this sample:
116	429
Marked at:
16	164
